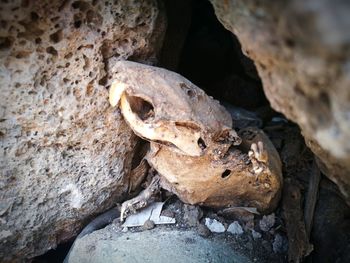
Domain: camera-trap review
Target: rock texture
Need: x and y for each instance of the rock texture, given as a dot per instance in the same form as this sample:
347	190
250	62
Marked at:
301	51
64	152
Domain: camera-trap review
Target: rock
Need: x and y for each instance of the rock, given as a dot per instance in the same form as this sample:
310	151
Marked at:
331	226
267	222
157	245
64	151
280	244
235	228
192	214
255	234
214	225
267	245
148	225
203	230
168	213
299	49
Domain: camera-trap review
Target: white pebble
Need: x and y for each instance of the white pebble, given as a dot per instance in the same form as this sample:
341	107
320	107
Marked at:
214	225
235	228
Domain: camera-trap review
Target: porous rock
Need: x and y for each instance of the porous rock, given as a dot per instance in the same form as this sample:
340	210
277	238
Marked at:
64	152
300	51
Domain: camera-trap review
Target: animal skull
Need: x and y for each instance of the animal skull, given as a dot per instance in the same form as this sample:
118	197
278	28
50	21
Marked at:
193	147
163	107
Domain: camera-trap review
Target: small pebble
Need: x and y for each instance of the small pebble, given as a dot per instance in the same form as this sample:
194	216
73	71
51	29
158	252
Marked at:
125	229
267	222
255	234
192	214
203	231
235	228
168	213
148	225
280	244
214	225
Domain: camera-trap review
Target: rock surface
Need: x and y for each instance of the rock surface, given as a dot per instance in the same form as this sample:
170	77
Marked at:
300	50
157	245
64	152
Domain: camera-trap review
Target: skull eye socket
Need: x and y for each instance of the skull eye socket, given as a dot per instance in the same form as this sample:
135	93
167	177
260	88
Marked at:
142	108
201	144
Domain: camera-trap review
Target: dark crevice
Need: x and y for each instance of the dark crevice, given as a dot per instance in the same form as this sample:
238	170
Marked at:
211	56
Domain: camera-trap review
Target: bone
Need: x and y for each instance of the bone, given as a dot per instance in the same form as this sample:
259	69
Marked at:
193	146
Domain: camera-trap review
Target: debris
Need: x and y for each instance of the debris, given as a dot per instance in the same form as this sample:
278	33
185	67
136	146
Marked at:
152	212
192	214
238	210
242	118
168	213
214	225
299	246
235	228
279	119
203	230
148	225
311	197
267	222
256	234
267	245
280	244
142	200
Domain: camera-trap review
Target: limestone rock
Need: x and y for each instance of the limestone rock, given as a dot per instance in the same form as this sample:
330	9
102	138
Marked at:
64	152
300	51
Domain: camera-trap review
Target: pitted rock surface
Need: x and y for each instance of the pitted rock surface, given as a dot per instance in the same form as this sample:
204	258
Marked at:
64	152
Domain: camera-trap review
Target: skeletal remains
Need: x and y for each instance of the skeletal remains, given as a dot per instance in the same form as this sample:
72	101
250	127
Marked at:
193	147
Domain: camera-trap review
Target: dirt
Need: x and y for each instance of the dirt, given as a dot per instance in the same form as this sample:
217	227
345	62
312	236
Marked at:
192	219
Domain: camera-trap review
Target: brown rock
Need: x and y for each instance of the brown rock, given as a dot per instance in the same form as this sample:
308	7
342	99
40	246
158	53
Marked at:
64	151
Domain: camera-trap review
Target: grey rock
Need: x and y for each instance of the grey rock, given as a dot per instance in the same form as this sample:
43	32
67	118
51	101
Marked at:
255	234
192	214
148	225
304	66
267	222
235	228
203	230
154	246
280	244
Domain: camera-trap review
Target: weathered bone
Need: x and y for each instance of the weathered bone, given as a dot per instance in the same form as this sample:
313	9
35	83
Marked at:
193	147
231	181
183	115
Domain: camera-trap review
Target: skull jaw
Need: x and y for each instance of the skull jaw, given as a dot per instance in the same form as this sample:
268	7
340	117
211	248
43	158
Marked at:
200	180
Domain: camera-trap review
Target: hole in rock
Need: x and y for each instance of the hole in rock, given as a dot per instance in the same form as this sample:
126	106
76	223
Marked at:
226	173
142	108
52	51
57	36
5	43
